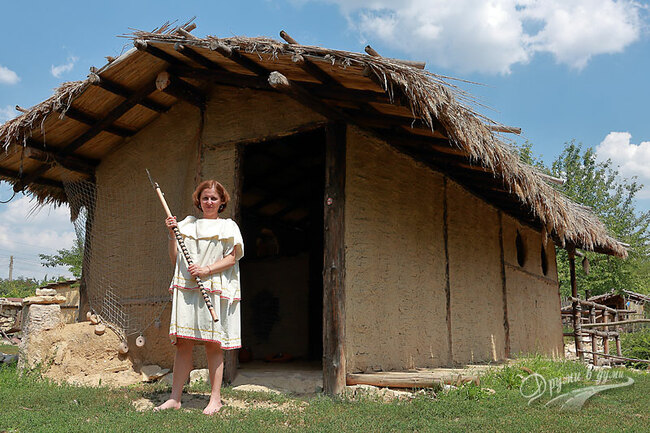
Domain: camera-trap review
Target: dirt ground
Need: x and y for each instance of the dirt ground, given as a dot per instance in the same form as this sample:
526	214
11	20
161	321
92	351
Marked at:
73	353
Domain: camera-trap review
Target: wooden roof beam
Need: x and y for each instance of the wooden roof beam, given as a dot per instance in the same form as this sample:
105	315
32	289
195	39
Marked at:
412	63
92	132
89	120
118	89
157	52
172	85
198	58
38	152
43	182
238	58
281	83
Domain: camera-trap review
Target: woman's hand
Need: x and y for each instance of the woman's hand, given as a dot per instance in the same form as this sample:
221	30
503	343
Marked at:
170	222
198	271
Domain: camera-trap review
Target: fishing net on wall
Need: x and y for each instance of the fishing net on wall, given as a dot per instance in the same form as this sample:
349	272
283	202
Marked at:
125	262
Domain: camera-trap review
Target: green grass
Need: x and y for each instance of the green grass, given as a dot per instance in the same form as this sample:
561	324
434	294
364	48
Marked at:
31	403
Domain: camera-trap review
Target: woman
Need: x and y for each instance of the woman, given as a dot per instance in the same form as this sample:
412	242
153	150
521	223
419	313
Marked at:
215	245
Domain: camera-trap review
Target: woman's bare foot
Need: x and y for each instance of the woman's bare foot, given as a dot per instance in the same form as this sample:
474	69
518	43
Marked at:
169	404
212	407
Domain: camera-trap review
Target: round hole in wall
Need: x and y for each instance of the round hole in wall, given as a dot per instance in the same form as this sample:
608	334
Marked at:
521	250
544	261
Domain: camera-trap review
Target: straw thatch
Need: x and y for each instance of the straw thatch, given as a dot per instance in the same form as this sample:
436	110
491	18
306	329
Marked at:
432	98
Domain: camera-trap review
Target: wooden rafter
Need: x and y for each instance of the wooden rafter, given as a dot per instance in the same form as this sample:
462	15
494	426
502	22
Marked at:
43	182
38	152
92	132
198	58
172	85
118	89
89	120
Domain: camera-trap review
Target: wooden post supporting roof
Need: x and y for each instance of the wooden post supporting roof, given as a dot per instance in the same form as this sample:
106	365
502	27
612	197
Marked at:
334	261
577	308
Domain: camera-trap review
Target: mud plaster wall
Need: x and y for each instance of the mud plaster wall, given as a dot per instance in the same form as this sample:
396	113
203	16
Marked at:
475	278
130	248
533	298
395	263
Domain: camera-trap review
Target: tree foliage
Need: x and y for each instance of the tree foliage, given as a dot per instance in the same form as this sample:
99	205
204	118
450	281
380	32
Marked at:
598	185
72	258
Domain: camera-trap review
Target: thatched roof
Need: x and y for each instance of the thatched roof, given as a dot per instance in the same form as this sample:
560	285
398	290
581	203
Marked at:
421	114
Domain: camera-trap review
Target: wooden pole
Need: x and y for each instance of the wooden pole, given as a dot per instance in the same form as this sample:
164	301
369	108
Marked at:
11	268
334	261
577	308
231	357
605	339
594	340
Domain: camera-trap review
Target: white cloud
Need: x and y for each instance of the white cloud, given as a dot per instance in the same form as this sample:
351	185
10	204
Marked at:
631	159
7	76
25	233
59	70
492	36
7	113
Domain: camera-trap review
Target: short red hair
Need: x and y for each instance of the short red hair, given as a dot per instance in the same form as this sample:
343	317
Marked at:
211	184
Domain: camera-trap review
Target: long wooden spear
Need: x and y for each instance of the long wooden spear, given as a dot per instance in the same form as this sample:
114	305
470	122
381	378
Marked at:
183	248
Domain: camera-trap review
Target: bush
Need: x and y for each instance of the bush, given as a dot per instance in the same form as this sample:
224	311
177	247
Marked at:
636	345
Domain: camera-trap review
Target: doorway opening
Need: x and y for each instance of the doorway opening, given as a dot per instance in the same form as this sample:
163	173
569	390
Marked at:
282	224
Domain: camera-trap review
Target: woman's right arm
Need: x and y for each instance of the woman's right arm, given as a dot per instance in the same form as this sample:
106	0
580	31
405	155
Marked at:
170	222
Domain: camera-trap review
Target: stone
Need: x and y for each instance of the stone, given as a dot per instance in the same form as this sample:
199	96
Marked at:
45	292
201	374
168	379
386	394
56	299
39	317
152	372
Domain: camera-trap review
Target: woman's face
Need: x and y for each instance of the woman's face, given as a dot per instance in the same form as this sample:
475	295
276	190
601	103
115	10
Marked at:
210	203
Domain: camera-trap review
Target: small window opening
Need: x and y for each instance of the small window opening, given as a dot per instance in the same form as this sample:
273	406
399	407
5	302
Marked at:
521	251
544	261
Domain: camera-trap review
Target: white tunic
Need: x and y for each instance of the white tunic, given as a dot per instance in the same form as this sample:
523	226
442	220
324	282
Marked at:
207	241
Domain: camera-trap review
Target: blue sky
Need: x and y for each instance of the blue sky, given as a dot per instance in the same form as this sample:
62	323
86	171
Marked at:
560	70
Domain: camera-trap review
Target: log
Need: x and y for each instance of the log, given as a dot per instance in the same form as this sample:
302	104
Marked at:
100	329
594	342
606	355
284	35
606	339
334	362
412	63
622	322
165	82
597	333
590	303
577	307
507	129
408	380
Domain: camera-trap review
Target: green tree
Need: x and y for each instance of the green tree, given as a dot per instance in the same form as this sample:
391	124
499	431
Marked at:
598	185
72	258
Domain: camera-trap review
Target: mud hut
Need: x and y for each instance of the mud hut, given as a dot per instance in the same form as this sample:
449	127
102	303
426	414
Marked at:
388	227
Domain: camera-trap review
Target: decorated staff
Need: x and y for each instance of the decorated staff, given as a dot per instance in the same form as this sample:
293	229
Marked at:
181	244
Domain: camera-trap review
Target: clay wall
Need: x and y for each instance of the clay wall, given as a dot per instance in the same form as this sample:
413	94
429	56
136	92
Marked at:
130	251
533	297
395	262
475	278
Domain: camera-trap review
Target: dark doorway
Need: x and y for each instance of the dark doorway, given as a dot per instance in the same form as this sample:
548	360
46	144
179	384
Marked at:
282	224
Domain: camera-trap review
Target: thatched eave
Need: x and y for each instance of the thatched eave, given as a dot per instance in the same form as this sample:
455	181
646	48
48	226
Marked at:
420	113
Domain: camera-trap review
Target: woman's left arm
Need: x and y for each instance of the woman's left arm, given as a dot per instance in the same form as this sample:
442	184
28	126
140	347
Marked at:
219	266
